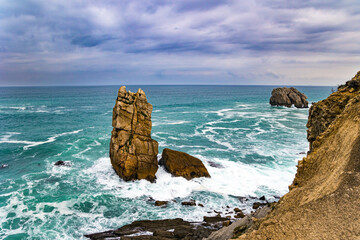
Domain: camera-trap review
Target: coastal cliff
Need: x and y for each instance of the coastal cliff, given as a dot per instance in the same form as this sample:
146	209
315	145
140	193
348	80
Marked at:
323	201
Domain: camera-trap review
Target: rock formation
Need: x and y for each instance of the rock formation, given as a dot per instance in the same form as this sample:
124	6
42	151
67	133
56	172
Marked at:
287	97
324	198
181	164
133	152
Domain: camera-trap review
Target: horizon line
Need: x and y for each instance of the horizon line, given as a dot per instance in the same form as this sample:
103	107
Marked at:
108	85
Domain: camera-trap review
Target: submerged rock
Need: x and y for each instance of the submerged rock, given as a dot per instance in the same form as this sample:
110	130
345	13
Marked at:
288	97
181	164
133	152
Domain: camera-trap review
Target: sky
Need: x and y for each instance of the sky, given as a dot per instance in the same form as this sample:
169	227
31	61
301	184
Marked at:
114	42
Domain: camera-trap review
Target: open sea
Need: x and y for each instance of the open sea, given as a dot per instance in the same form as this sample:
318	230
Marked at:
248	147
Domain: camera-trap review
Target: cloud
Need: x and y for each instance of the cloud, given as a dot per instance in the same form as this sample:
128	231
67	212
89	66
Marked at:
204	41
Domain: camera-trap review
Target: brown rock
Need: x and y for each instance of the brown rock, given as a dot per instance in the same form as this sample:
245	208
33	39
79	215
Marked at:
160	203
288	97
133	152
237	210
181	164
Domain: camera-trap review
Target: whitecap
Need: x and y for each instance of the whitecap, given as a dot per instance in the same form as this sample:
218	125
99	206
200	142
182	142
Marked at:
29	144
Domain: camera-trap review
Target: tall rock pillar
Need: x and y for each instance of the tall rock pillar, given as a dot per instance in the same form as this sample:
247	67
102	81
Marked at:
133	152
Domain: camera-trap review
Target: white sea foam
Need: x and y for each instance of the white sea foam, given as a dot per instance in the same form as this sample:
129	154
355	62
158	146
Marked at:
234	178
166	122
29	144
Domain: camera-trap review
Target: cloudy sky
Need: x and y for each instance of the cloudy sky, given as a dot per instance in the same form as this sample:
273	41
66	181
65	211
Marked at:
85	42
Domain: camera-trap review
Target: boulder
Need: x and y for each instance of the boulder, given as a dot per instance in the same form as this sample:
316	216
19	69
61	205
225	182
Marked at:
133	152
181	164
288	97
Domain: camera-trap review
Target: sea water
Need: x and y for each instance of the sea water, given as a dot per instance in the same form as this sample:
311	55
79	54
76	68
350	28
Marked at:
249	148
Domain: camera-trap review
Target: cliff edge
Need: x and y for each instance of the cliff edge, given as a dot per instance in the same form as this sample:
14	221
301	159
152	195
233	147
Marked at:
324	198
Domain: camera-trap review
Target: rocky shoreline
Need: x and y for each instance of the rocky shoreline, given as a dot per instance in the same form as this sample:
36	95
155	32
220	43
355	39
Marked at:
226	222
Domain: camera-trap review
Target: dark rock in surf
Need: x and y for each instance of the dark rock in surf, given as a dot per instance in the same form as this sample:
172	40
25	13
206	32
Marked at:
181	164
288	97
189	203
3	165
161	203
62	163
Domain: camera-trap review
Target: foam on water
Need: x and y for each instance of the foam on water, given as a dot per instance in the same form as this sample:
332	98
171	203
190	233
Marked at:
29	144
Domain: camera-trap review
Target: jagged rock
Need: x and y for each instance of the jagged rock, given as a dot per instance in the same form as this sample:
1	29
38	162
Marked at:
133	152
181	164
323	113
288	97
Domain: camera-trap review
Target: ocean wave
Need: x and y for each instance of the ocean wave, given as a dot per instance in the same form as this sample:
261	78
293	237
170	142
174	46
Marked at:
166	122
29	144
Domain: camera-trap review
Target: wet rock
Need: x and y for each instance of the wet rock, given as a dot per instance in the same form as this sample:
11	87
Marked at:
200	205
237	210
156	230
288	97
214	219
189	203
133	152
239	215
262	198
256	205
161	203
181	164
4	165
62	163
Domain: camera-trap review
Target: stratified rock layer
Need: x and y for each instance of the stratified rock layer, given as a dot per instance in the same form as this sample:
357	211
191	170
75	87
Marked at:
181	164
133	152
288	97
324	198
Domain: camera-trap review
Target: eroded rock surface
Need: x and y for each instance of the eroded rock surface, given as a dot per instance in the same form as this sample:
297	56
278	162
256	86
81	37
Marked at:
133	152
181	164
288	97
323	113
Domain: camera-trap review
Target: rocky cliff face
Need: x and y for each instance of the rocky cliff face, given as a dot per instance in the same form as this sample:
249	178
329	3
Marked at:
133	152
288	97
324	198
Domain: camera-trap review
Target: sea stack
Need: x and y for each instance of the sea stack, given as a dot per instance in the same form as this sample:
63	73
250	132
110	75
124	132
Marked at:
288	97
133	152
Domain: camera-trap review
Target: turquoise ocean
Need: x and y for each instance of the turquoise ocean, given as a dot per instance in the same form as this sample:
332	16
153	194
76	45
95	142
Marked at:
249	148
